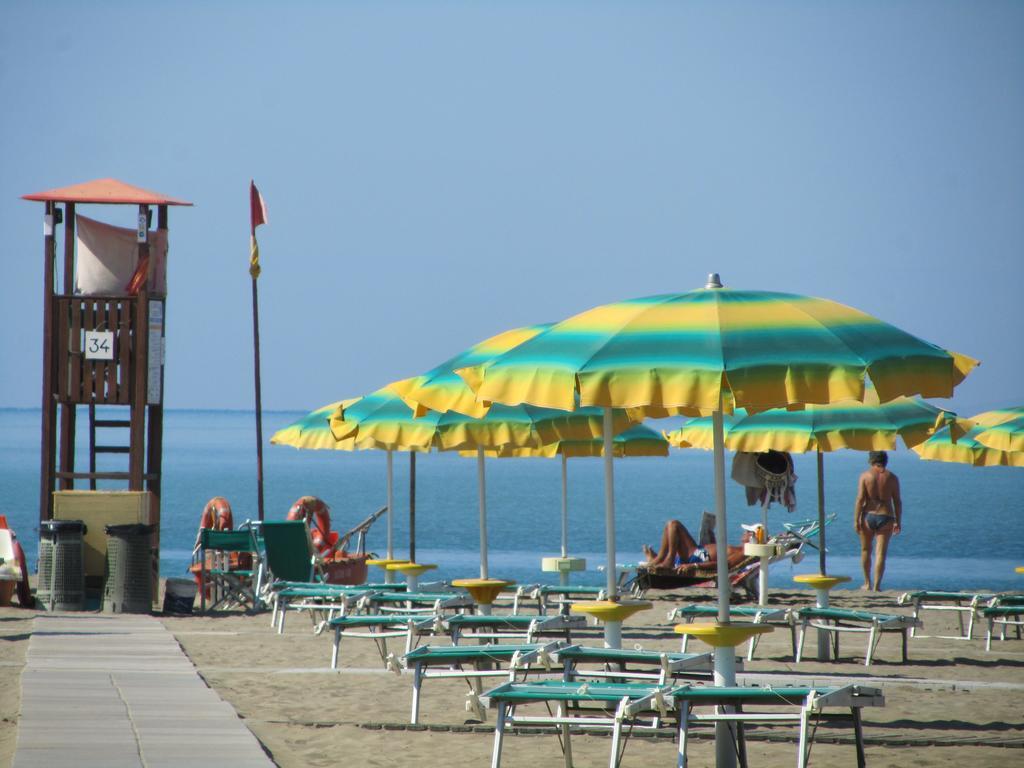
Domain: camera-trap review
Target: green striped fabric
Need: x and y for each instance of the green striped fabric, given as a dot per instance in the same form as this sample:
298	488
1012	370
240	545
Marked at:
867	426
680	352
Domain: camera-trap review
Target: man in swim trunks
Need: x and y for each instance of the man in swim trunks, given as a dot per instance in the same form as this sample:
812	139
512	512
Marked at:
877	515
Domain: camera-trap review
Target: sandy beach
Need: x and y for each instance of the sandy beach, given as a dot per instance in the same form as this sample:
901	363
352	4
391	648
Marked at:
951	704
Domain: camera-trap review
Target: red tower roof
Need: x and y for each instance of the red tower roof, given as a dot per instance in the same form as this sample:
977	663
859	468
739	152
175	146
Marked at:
104	191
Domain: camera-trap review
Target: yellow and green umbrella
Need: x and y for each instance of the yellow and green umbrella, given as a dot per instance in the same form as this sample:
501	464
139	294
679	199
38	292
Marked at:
635	441
708	351
383	420
967	449
862	426
313	431
441	389
1002	429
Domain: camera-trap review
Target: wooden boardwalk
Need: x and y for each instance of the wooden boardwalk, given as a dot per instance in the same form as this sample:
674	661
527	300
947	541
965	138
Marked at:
117	690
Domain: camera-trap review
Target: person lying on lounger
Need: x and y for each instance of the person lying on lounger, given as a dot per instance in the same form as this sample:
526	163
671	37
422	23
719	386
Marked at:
682	553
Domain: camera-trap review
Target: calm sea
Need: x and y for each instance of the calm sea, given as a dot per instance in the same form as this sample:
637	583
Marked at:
963	526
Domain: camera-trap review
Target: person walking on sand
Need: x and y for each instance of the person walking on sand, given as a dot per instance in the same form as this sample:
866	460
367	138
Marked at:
877	515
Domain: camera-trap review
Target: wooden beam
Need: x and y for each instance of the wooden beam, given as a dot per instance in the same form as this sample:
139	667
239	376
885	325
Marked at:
137	441
49	407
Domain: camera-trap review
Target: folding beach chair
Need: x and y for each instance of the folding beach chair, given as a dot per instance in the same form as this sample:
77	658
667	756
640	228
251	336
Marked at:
627	665
838	620
228	584
592	705
379	627
736	706
474	662
520	627
1006	611
960	602
289	551
752	613
563	595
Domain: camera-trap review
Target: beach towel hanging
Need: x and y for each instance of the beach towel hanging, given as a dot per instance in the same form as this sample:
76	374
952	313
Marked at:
108	256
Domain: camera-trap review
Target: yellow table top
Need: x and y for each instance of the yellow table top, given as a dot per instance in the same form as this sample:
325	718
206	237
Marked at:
406	567
482	590
818	581
384	562
722	635
608	610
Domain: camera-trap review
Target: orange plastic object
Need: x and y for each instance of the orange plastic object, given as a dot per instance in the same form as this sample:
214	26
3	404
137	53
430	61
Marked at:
104	191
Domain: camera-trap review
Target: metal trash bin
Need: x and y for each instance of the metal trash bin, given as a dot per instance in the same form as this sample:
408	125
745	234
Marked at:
61	565
129	588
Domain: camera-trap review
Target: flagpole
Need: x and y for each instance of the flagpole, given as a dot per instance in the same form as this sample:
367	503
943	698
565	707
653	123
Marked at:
257	216
259	399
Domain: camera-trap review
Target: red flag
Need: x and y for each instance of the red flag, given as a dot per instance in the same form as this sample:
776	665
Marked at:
257	208
257	216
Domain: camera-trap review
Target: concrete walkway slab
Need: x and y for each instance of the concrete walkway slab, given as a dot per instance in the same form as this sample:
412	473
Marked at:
117	690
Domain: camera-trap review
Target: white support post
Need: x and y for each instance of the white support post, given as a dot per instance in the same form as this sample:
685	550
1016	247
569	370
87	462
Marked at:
482	496
609	508
563	576
725	657
389	576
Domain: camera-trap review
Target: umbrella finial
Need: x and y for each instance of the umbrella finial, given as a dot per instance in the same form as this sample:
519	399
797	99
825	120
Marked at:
714	281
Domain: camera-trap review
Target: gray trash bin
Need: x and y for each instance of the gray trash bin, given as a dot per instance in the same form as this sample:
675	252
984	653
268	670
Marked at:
129	586
61	565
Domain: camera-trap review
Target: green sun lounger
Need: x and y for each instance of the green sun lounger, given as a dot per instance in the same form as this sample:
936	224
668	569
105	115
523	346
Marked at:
1006	611
616	705
595	705
321	600
622	665
510	626
446	661
752	613
838	620
964	603
564	594
415	602
750	704
379	627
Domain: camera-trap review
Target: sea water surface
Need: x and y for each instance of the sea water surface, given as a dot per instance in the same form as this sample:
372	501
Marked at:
963	526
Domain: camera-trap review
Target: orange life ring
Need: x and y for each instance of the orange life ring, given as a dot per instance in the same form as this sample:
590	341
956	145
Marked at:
217	515
318	516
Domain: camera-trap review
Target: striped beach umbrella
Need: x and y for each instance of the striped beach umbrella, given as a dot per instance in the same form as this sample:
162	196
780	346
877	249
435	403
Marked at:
709	351
441	389
1002	429
967	449
383	420
863	426
635	441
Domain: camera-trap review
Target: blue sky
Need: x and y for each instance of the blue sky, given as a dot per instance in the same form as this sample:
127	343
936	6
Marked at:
436	172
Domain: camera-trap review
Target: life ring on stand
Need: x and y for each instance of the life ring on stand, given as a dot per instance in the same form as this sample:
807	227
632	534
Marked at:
217	515
317	515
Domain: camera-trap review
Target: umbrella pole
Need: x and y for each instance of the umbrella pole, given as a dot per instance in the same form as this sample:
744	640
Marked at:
482	497
612	629
389	576
412	506
821	513
563	576
725	656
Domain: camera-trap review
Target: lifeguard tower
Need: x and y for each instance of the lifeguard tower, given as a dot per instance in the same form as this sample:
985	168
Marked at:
103	344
